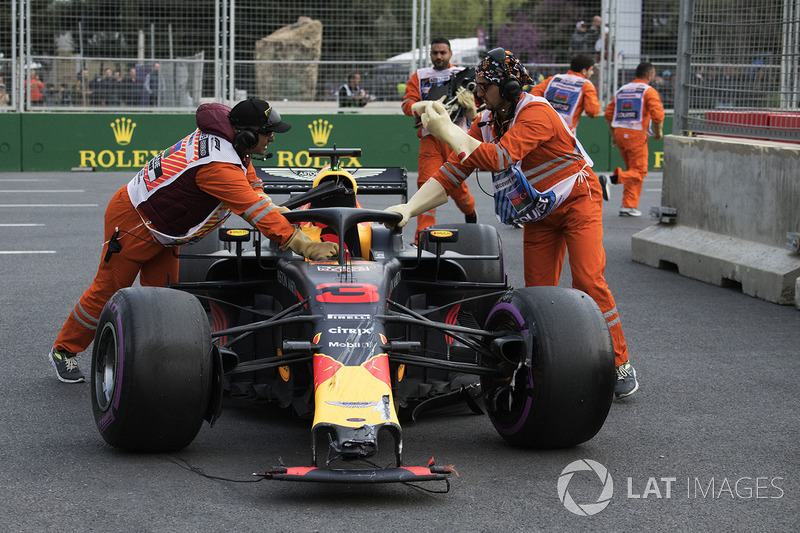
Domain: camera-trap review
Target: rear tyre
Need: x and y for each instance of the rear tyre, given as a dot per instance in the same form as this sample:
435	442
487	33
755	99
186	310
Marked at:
151	369
563	397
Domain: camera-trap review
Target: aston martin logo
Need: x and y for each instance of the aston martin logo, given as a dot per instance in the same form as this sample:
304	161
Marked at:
320	131
123	130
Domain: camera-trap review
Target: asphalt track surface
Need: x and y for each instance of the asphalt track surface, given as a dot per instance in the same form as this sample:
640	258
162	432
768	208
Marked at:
710	441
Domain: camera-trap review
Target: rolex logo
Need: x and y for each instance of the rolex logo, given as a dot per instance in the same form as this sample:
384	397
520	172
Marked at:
123	130
320	131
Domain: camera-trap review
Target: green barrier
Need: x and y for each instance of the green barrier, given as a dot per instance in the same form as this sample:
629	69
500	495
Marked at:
10	142
127	141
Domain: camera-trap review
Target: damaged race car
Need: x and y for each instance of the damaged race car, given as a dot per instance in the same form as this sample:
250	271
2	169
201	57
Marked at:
379	335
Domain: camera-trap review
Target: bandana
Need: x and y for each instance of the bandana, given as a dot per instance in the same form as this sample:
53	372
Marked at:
498	72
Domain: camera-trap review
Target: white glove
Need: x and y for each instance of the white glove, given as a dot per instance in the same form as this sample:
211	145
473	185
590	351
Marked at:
301	244
467	101
430	195
436	120
418	108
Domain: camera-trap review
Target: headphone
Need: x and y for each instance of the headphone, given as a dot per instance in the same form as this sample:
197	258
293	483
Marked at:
245	140
510	88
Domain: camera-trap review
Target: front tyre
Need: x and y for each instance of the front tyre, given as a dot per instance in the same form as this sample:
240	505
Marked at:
563	396
151	369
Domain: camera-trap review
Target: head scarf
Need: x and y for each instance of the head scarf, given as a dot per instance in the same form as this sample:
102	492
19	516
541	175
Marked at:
497	72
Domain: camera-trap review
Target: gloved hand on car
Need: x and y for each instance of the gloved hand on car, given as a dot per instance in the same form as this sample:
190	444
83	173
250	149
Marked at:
301	244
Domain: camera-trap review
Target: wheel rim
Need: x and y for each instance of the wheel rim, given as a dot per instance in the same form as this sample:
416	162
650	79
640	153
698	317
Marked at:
498	392
106	366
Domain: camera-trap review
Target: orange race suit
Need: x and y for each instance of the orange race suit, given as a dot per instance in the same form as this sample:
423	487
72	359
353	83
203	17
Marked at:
180	195
570	95
432	151
629	113
540	145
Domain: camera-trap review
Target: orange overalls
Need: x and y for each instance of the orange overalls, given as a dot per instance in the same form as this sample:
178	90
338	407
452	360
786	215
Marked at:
193	195
433	152
585	98
546	151
641	104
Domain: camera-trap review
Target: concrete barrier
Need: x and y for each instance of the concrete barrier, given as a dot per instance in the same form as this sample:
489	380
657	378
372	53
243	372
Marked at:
735	202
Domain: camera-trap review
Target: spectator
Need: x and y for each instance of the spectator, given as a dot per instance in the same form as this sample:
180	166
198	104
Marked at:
96	90
131	90
64	95
35	86
351	94
151	85
5	99
577	43
593	34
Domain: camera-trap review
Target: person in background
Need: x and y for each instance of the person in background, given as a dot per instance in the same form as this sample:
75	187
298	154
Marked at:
180	196
629	116
151	84
35	87
5	99
432	151
542	178
351	94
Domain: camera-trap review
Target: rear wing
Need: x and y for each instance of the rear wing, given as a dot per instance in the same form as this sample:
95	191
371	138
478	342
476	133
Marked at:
370	180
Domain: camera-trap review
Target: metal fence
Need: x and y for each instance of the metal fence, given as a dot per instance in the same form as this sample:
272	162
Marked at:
164	55
739	70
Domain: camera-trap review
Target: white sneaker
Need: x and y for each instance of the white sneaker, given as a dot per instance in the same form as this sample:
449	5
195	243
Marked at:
629	212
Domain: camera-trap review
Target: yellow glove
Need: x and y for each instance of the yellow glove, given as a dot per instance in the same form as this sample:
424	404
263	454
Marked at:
658	131
301	244
436	120
467	101
430	195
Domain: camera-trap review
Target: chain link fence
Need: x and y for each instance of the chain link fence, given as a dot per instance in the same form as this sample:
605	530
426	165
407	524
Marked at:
163	55
739	72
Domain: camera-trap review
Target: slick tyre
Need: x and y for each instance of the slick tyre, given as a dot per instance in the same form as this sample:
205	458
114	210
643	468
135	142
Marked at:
151	369
563	396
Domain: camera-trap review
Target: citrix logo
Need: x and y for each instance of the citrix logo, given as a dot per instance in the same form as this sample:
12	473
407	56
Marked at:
585	509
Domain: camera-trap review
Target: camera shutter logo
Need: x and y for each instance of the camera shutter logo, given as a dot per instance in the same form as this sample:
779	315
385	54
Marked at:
585	509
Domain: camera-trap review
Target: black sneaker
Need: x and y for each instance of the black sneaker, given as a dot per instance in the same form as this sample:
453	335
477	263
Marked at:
66	365
605	186
626	381
472	218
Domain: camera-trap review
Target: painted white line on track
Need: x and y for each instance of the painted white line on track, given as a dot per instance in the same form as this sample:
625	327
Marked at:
28	179
48	205
19	225
45	191
19	252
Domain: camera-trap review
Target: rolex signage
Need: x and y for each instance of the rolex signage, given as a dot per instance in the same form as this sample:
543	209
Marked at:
126	142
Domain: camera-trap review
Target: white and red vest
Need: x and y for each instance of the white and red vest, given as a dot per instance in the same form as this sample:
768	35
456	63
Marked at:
164	192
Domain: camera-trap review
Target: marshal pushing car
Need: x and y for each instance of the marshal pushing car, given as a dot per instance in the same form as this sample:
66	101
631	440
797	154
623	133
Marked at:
358	344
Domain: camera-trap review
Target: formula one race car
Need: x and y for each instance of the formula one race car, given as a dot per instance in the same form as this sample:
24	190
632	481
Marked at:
360	343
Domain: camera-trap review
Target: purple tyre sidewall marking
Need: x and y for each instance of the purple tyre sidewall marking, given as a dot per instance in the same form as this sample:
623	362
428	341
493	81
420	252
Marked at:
513	311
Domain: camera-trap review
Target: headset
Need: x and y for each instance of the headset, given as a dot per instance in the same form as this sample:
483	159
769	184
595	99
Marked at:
510	88
245	140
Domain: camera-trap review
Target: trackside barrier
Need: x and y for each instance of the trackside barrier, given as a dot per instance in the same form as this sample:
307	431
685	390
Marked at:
120	142
729	208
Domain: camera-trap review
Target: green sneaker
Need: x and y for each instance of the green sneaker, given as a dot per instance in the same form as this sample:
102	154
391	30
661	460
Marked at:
66	365
626	381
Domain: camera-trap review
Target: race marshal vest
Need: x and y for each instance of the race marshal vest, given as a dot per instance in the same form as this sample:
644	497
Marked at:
564	92
165	169
628	103
518	202
433	84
